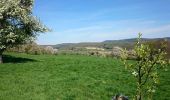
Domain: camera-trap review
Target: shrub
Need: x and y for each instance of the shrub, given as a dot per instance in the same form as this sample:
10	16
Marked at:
145	67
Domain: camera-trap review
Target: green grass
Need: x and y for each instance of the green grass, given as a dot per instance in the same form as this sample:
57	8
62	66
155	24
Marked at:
68	77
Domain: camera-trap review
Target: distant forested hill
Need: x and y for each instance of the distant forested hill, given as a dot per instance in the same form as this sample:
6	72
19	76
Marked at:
108	44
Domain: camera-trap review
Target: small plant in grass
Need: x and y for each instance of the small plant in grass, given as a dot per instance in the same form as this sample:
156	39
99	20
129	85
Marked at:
146	67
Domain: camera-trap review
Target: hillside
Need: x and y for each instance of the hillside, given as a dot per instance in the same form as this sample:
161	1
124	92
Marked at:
108	44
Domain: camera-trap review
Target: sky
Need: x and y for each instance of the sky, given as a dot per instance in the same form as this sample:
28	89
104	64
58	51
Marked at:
74	21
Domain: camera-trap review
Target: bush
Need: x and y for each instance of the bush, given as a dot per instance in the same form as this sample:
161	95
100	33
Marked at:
145	69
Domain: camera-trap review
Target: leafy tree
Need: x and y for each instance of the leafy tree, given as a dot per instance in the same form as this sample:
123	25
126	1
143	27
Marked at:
146	67
17	23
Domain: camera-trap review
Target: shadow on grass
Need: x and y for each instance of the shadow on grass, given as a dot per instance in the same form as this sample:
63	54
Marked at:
12	59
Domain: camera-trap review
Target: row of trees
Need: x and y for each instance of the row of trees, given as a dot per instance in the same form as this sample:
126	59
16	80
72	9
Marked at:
117	51
33	48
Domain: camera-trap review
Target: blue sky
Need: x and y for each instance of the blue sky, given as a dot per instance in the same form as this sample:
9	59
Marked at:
75	21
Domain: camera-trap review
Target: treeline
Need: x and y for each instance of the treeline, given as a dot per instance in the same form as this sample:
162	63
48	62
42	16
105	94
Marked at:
108	44
33	48
156	44
117	51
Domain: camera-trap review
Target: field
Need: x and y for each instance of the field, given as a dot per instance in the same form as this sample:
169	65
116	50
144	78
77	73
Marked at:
68	77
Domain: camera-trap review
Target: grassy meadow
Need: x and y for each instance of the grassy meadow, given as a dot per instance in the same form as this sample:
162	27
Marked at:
68	77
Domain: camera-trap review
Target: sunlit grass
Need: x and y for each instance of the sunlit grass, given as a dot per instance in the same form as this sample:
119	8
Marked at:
68	77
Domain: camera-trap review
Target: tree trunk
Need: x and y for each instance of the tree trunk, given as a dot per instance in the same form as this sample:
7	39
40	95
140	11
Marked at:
1	61
140	95
1	52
